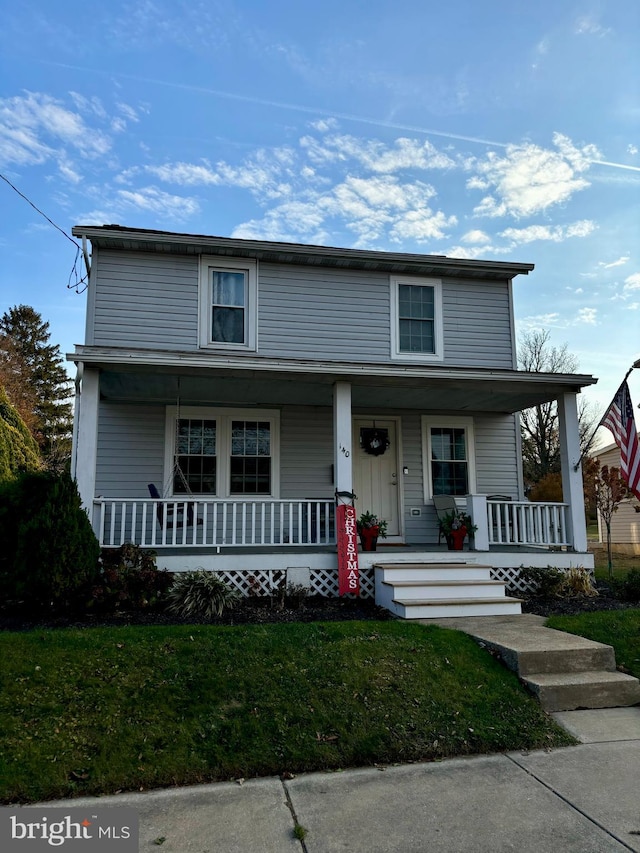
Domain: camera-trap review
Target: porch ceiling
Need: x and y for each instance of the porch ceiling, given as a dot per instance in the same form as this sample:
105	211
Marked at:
433	390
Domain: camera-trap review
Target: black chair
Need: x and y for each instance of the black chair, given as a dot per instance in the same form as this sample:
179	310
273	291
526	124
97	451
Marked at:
169	509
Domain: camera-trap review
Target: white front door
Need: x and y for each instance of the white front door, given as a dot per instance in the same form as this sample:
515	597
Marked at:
376	478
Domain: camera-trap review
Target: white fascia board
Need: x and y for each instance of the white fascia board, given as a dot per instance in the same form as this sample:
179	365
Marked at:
156	358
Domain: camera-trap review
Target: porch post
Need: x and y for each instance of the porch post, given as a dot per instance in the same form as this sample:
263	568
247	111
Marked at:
477	509
572	490
86	429
342	431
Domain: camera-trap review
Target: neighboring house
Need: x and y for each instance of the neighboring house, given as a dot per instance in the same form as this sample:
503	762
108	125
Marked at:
625	523
248	381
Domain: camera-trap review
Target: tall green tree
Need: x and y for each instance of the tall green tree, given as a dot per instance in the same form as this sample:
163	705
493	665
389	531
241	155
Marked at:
24	333
18	449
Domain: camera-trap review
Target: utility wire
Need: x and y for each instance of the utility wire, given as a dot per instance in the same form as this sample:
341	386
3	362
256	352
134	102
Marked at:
74	269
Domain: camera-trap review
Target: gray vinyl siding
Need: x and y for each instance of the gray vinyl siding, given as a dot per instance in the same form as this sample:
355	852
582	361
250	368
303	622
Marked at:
306	452
144	300
130	450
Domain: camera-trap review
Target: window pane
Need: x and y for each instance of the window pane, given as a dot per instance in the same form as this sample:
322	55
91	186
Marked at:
250	464
195	464
449	468
416	318
250	475
227	325
228	289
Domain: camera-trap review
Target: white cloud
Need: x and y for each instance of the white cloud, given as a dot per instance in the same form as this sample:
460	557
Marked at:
589	25
324	125
265	174
35	128
555	234
376	156
632	149
529	179
620	262
632	282
185	174
540	321
587	316
475	236
156	201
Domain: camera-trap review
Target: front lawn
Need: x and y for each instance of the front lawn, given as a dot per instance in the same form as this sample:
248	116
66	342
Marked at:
107	709
617	628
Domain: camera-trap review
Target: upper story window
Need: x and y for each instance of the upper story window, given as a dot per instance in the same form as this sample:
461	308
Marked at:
416	319
228	303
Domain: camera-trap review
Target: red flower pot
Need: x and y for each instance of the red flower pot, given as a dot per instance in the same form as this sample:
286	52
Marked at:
369	537
455	540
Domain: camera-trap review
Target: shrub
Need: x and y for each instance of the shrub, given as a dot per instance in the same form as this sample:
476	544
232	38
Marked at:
50	553
631	586
296	594
130	580
577	581
200	595
543	581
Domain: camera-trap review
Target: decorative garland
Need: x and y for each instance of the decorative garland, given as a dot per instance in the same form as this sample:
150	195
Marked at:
374	441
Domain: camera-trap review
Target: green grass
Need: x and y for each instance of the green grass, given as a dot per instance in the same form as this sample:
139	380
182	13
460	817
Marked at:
617	628
108	709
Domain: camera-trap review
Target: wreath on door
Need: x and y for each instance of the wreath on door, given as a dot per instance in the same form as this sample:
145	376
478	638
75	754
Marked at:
374	441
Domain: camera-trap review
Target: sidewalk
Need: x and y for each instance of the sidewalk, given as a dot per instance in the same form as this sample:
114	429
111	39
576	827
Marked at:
582	799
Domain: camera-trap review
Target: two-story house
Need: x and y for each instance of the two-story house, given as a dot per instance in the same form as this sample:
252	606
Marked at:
228	388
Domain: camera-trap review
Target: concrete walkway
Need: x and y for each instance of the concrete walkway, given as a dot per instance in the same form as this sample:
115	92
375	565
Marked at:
581	799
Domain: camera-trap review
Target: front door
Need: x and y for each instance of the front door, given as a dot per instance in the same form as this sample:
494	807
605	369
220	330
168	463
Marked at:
376	477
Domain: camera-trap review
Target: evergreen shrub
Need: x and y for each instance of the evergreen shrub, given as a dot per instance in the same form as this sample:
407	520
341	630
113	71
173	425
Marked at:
129	580
50	553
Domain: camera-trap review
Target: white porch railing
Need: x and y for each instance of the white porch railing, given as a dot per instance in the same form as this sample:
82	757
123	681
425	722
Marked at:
210	523
527	523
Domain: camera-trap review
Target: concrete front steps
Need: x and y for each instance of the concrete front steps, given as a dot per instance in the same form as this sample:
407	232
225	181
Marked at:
563	671
441	590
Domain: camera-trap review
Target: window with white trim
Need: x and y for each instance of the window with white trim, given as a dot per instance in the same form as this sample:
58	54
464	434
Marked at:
448	454
222	452
228	303
416	319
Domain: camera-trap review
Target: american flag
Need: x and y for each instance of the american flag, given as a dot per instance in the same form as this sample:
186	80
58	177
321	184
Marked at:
619	419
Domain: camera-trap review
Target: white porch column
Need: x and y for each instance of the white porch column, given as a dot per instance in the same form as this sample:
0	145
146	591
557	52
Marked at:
477	509
86	429
342	432
572	490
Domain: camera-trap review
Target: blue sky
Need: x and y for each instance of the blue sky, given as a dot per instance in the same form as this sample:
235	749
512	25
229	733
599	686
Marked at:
499	130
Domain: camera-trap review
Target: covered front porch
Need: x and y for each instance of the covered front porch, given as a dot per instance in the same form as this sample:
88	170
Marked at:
311	422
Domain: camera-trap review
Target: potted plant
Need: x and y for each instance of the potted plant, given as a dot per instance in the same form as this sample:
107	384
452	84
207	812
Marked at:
370	527
456	526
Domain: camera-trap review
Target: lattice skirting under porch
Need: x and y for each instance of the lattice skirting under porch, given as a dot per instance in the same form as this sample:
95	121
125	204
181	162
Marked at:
269	581
511	577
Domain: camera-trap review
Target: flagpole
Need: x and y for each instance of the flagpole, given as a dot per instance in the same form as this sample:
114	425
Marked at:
588	445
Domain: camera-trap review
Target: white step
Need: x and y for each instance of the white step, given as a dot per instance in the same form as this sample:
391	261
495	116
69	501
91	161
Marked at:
450	608
392	572
438	589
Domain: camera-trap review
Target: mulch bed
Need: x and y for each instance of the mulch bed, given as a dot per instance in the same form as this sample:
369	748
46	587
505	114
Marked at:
260	611
249	611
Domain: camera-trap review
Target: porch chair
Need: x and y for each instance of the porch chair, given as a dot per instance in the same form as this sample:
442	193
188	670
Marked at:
160	509
444	504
